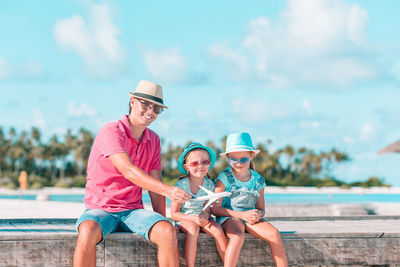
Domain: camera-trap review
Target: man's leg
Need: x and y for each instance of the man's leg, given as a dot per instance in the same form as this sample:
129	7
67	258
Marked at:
163	234
157	229
88	237
92	226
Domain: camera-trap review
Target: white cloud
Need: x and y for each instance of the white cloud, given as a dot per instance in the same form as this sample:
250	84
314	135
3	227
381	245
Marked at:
367	132
356	23
348	140
395	69
346	70
30	70
38	119
306	105
204	115
163	127
236	65
258	111
167	65
82	110
315	125
93	38
321	25
4	72
311	42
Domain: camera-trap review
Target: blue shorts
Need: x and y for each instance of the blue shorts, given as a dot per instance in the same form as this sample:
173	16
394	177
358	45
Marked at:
138	221
221	220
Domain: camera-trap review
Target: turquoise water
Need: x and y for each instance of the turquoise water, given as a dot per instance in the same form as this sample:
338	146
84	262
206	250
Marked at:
331	198
269	198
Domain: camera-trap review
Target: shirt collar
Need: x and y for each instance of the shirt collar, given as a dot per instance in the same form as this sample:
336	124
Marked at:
127	127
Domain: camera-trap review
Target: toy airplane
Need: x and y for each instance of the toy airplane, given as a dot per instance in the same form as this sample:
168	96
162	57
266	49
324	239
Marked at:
211	196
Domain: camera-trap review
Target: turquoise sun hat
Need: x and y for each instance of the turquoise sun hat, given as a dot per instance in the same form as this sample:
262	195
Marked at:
191	147
239	142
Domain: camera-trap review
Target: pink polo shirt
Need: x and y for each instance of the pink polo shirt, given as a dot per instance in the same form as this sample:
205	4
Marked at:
106	187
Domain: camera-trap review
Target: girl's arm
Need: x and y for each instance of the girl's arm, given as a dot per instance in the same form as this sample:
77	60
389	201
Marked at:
208	211
220	211
260	205
176	215
250	216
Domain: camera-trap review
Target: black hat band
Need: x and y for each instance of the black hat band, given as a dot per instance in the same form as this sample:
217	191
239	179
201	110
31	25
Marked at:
150	97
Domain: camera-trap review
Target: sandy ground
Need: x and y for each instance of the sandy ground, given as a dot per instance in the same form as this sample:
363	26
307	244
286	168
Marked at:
16	208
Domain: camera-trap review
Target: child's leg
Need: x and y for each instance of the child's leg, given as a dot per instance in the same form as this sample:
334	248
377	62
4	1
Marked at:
192	233
269	233
215	230
234	229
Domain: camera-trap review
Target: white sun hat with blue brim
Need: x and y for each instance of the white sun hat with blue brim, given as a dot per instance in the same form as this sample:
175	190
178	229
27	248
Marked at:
239	142
191	147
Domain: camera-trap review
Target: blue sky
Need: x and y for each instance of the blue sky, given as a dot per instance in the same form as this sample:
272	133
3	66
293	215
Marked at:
314	73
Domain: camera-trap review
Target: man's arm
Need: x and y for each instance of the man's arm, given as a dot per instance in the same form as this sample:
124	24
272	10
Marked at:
136	175
157	201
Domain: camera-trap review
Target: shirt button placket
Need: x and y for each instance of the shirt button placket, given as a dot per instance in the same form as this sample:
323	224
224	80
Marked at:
137	155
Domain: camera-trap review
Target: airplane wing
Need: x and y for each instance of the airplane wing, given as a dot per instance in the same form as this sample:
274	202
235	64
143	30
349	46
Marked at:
210	193
209	202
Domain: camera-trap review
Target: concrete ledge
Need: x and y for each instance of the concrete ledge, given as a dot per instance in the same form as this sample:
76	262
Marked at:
328	241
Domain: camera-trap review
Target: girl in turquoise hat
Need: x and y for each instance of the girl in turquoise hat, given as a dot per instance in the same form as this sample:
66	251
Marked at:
245	208
195	162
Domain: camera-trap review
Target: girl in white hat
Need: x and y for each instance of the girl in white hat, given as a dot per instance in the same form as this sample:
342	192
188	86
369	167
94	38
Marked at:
195	162
245	208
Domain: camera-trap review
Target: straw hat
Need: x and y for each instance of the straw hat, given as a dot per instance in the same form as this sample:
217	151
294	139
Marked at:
238	142
149	91
191	147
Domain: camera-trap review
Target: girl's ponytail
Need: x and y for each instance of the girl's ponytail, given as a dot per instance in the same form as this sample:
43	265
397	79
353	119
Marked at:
251	165
183	176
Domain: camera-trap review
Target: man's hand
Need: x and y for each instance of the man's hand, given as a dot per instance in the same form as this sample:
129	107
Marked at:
178	195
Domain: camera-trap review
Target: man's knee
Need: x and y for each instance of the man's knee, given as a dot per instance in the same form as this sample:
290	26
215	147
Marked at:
89	232
163	232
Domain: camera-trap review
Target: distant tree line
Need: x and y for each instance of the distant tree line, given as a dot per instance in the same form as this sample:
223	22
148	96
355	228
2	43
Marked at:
62	161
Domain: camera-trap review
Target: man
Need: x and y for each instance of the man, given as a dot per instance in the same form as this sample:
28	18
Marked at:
126	157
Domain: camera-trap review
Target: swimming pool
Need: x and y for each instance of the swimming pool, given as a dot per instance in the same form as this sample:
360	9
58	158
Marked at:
275	198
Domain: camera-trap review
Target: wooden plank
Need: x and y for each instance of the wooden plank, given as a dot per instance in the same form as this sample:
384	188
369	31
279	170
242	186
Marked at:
311	243
42	253
129	250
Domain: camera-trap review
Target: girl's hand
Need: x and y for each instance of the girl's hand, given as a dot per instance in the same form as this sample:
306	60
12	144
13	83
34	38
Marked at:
202	219
261	213
251	216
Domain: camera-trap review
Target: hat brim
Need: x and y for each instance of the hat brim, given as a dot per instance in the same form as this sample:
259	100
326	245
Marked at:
149	100
256	151
210	151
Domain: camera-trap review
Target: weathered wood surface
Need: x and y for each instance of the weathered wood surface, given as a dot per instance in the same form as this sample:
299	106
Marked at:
322	241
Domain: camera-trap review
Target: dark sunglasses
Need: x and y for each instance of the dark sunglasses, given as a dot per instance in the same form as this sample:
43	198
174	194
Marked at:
147	105
242	160
197	163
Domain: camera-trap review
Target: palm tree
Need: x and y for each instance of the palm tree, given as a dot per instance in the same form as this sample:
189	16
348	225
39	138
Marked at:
84	143
37	149
3	150
19	152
